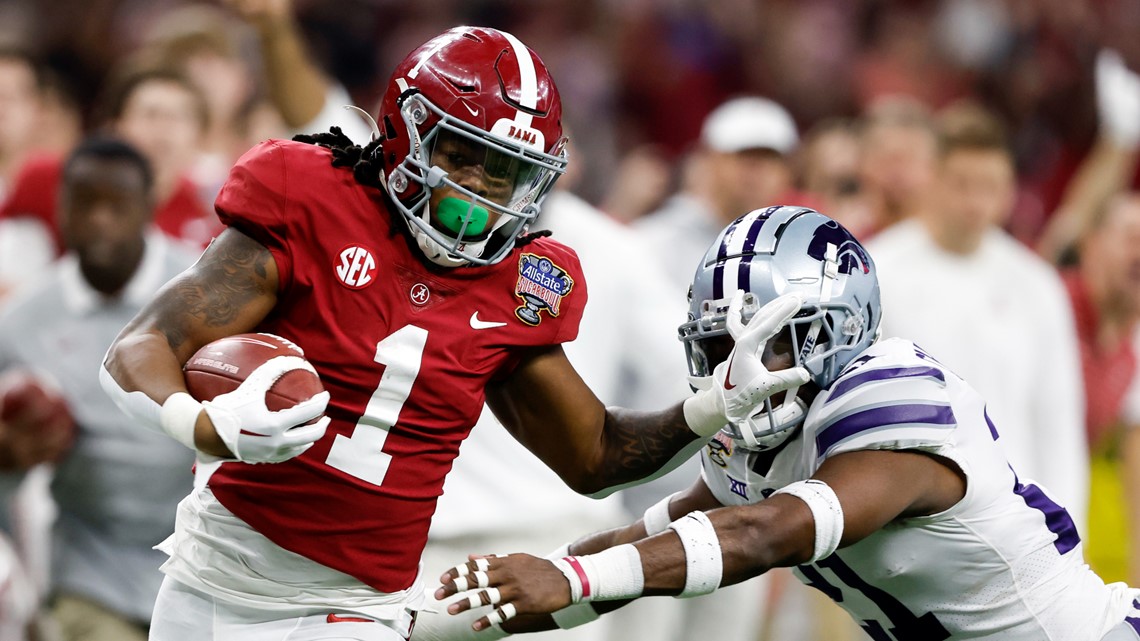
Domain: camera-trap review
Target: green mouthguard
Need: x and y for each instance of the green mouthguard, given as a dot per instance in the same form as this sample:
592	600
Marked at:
453	212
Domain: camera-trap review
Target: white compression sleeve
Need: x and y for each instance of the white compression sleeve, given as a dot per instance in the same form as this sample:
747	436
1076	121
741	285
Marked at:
825	510
176	417
136	405
656	518
703	562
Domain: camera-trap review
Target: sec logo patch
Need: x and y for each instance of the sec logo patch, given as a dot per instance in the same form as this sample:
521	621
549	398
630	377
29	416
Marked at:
355	267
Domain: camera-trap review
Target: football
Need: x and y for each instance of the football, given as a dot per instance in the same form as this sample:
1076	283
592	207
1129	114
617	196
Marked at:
222	365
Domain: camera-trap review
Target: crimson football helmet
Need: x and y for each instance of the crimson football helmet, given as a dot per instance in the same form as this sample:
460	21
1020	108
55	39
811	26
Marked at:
474	114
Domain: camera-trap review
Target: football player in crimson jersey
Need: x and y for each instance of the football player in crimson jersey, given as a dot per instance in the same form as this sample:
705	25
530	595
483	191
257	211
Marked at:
405	272
882	480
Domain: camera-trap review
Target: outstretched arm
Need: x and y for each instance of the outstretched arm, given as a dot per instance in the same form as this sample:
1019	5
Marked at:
551	411
870	489
438	625
596	449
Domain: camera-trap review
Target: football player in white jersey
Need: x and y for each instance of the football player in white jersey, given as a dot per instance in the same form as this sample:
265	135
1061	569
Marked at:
882	480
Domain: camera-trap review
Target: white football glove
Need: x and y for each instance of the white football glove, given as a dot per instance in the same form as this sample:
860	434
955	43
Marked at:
740	385
256	435
1118	99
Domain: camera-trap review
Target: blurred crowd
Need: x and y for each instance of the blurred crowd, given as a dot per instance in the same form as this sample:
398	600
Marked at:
984	150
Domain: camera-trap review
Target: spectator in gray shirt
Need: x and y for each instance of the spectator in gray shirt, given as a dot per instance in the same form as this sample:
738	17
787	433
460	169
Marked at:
117	484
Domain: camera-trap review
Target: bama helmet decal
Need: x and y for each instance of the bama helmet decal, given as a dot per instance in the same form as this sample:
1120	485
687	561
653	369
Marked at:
541	286
850	253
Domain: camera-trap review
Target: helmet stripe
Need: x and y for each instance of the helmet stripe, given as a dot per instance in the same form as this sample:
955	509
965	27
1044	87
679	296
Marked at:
718	281
735	244
753	234
527	78
743	272
440	44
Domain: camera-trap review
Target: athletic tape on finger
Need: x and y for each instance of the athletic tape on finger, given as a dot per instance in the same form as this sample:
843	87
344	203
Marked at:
482	564
481	579
461	584
502	614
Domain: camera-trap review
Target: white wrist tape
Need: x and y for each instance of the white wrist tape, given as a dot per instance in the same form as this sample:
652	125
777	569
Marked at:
825	510
703	562
656	518
178	416
574	615
611	574
704	413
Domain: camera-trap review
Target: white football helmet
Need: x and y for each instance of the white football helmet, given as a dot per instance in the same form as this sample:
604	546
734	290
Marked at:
767	253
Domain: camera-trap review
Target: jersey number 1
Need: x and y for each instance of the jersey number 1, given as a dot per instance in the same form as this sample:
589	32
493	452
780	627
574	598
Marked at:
362	455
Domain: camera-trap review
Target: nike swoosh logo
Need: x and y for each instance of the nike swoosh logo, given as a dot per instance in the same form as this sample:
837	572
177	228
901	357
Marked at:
728	377
473	112
480	324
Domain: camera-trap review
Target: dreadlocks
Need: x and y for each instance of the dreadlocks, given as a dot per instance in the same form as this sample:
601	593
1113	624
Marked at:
364	161
366	166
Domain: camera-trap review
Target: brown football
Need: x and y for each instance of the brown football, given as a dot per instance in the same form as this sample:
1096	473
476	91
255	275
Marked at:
222	365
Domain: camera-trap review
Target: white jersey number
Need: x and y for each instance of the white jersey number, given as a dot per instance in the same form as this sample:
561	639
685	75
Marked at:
362	455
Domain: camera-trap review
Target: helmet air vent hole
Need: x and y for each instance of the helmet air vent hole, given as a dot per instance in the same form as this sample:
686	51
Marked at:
461	88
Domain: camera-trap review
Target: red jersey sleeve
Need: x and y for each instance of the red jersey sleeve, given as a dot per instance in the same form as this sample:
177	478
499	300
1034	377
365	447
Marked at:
254	201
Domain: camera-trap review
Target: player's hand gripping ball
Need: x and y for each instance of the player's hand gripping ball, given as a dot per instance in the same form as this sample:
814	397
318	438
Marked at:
265	399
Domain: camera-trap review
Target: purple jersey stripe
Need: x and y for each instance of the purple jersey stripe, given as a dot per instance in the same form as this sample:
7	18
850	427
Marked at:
1056	518
993	429
1134	622
916	413
868	376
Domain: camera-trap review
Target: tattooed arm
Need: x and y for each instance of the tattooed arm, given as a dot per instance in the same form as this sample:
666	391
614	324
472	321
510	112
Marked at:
231	288
551	411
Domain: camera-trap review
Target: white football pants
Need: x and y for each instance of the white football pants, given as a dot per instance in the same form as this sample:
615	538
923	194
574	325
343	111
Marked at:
182	613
